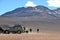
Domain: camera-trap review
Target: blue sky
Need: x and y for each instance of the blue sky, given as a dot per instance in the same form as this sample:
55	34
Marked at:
8	5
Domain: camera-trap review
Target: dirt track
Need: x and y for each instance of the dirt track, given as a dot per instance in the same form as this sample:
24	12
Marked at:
31	36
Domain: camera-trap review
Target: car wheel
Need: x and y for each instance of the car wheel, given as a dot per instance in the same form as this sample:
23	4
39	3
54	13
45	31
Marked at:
6	32
19	32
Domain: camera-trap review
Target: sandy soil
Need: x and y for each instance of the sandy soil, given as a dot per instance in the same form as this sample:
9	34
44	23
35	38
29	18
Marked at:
31	36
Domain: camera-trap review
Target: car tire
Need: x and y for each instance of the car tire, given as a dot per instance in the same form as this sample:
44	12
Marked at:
19	32
6	32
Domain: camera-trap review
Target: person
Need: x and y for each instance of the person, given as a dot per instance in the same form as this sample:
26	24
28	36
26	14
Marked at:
24	28
30	30
37	30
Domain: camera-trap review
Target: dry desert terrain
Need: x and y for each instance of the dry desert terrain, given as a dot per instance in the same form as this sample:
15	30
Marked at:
31	36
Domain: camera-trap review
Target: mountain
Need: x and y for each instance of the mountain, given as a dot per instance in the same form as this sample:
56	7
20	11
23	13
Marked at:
38	12
41	11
